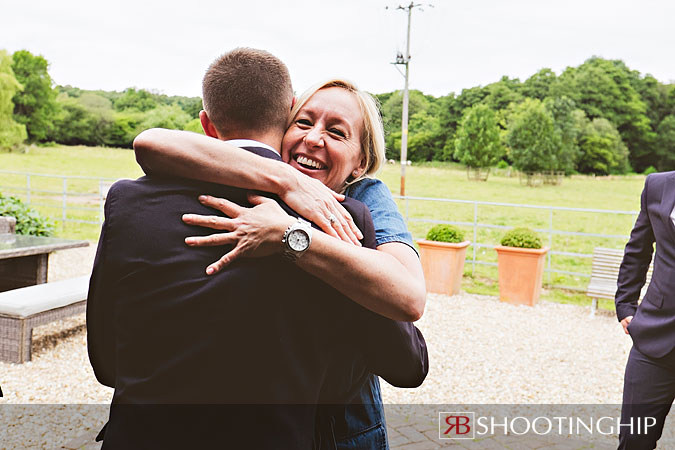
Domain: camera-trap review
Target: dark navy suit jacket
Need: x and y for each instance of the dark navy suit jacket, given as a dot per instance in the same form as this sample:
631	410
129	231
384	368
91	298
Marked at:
240	358
653	325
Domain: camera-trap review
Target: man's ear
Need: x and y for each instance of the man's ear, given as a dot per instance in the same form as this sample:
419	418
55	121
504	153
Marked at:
295	99
207	125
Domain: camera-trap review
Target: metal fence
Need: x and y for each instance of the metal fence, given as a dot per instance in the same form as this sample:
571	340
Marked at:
79	199
549	230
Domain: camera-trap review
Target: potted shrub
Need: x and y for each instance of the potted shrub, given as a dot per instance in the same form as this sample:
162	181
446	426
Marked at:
520	261
443	253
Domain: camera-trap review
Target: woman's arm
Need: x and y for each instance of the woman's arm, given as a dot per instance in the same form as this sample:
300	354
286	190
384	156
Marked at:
192	155
388	281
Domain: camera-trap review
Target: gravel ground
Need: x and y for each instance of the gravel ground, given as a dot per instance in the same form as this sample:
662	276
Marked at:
481	352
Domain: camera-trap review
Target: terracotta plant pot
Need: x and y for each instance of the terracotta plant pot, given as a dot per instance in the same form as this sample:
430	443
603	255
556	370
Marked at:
521	271
443	265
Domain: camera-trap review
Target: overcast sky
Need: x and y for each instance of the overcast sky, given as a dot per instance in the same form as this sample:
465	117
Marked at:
167	45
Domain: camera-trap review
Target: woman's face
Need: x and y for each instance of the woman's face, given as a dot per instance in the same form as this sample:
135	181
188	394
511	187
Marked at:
324	139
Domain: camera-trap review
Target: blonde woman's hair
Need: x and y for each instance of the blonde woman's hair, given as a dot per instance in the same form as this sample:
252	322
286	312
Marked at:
372	139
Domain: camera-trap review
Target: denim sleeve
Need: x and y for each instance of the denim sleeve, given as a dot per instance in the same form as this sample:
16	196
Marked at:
389	224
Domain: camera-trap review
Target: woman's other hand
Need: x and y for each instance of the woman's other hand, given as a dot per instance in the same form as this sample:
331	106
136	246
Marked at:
254	232
319	204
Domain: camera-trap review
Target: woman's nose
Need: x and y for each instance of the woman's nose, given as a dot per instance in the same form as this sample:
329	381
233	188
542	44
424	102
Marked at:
314	137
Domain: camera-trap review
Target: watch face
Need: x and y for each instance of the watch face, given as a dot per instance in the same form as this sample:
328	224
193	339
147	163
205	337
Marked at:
298	240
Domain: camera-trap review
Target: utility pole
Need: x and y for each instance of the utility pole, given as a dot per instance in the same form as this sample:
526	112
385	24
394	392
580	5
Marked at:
405	60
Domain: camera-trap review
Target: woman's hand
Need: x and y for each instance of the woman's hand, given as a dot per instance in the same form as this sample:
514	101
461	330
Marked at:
319	204
254	232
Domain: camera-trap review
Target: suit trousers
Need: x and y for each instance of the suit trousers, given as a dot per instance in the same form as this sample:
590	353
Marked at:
648	391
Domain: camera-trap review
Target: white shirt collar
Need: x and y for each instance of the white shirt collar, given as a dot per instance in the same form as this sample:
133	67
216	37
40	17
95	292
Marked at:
250	143
672	216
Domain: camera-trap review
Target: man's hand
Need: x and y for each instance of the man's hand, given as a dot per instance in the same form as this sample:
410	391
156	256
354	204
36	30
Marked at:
254	232
625	322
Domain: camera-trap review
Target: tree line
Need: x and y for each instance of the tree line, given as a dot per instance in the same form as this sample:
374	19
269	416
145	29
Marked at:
600	117
33	110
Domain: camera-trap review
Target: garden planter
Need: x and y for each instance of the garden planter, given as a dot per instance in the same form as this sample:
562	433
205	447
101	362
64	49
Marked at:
443	265
521	271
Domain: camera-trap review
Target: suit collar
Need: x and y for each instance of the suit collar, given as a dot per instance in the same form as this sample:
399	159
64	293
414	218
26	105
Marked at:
251	143
264	152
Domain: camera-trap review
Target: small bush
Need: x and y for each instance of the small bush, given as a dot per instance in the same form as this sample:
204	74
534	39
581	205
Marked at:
522	238
502	164
445	233
28	220
650	169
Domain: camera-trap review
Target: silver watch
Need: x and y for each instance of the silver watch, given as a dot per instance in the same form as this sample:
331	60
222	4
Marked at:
296	240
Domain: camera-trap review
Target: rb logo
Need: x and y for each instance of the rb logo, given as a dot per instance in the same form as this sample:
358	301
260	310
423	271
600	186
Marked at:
456	425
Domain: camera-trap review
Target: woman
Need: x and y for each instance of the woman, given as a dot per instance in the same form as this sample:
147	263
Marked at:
334	141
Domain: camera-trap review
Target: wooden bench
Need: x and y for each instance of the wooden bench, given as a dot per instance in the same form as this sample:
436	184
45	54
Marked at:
604	275
25	308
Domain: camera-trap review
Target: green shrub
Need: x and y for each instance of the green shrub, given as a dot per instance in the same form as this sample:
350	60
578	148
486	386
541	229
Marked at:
502	164
650	169
28	220
445	233
521	238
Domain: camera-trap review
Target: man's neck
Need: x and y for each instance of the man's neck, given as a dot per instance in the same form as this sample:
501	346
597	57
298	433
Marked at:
271	139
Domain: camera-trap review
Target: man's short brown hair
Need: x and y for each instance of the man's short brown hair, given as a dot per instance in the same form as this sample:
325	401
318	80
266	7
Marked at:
247	90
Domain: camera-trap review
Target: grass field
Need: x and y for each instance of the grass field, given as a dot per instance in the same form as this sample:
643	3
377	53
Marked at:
435	180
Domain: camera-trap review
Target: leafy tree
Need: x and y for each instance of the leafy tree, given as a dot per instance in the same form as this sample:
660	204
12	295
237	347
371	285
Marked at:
73	124
35	106
602	150
532	138
424	142
565	124
392	111
665	143
478	142
502	93
83	120
123	129
12	133
195	125
539	85
191	105
604	88
138	99
165	117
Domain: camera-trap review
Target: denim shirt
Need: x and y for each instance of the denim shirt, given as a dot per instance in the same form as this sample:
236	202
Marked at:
389	224
361	424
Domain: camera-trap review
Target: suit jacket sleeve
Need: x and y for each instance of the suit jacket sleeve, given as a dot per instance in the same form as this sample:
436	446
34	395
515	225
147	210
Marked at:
396	351
636	259
100	306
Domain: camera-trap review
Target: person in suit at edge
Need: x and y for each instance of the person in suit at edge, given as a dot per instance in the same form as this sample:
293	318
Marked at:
649	382
263	340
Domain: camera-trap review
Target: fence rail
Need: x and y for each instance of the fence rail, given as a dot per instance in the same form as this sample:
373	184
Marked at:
80	199
550	231
65	198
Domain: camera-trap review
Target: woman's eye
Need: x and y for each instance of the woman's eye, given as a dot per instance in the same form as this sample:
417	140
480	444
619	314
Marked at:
304	122
337	132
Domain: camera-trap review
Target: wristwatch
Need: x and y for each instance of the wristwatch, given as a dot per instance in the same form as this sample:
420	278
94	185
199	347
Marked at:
296	240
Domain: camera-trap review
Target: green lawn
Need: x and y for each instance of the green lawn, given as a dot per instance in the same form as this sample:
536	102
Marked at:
435	180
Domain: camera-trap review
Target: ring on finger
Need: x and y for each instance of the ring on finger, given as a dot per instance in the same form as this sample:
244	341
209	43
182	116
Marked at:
332	219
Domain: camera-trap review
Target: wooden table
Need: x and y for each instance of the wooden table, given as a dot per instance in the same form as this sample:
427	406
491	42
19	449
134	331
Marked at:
24	259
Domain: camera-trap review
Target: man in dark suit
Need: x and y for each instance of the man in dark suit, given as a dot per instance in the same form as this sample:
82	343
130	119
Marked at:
239	359
649	385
